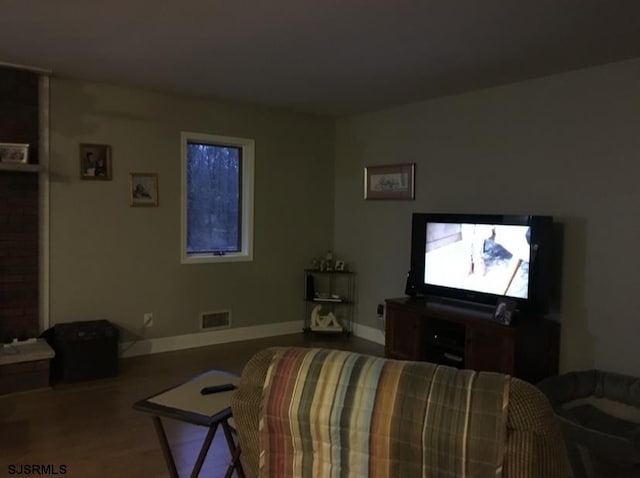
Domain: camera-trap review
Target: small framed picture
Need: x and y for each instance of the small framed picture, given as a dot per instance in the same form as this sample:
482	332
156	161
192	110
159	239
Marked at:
340	266
95	161
14	153
143	189
505	310
395	181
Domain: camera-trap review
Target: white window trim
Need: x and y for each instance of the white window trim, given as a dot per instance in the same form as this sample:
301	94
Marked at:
248	158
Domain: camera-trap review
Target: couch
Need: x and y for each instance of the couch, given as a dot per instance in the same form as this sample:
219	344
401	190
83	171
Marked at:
319	412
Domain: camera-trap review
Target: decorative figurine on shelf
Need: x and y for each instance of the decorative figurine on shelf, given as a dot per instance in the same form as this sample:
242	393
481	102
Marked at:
329	261
324	323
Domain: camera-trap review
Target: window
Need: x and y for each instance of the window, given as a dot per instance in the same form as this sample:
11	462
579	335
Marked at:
217	198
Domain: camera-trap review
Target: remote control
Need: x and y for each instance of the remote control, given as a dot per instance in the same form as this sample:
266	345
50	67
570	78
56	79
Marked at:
225	387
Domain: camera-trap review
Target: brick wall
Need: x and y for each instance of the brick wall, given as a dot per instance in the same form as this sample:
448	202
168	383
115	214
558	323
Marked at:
19	315
18	255
19	109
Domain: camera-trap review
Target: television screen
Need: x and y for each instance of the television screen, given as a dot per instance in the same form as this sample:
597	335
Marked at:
479	258
485	258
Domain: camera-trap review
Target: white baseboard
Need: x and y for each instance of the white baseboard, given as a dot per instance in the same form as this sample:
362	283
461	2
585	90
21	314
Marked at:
202	339
223	336
368	333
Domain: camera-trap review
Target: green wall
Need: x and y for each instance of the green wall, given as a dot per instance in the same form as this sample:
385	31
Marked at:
111	261
565	145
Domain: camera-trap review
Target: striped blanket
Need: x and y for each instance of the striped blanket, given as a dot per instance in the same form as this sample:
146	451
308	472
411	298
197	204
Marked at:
328	413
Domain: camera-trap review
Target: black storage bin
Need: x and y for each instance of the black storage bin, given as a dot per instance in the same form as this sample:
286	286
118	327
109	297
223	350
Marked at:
84	350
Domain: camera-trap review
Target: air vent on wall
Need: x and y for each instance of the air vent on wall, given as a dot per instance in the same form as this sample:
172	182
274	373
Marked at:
220	319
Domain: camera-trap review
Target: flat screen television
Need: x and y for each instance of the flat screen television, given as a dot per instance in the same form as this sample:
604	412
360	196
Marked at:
481	258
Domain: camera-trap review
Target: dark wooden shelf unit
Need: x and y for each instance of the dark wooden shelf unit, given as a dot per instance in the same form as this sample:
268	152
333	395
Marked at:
467	337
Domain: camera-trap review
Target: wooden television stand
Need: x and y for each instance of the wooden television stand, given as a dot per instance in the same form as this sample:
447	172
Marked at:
465	336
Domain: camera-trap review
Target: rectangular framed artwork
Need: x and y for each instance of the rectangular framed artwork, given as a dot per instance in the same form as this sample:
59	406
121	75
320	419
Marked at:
14	153
390	181
505	310
95	161
143	189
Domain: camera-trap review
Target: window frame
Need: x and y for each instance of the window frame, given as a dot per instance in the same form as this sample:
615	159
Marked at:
245	254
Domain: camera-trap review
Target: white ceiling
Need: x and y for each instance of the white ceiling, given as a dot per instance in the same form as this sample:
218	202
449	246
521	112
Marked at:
328	57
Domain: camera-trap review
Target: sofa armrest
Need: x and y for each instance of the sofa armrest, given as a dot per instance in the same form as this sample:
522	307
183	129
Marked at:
246	405
535	445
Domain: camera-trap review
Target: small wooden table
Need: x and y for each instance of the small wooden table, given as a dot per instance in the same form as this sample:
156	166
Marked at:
185	403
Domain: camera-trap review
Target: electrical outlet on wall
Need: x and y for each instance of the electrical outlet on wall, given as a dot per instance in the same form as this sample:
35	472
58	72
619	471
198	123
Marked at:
147	319
380	311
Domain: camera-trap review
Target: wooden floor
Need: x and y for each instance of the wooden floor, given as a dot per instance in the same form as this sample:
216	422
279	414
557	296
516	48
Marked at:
91	428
